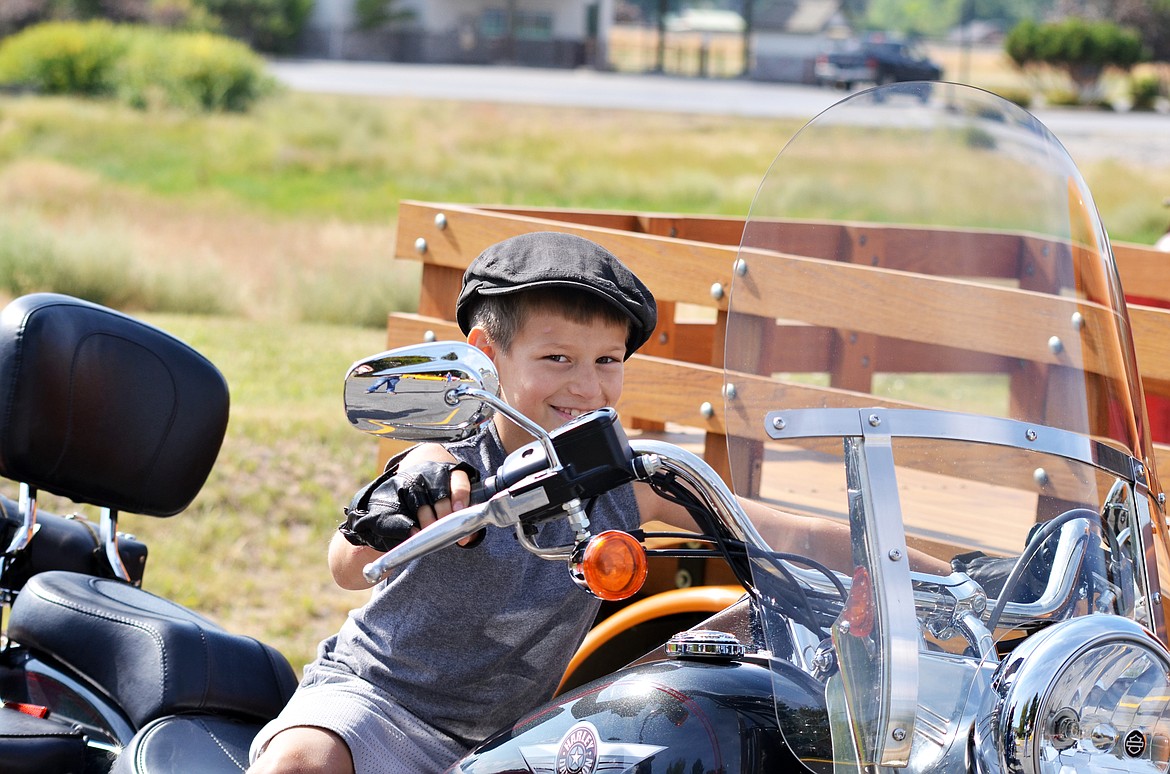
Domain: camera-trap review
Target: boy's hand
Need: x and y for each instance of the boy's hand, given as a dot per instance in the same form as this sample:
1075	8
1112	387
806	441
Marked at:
427	485
459	483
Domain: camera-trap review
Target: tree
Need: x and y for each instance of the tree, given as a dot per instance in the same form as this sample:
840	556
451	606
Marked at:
1081	49
935	18
377	14
267	25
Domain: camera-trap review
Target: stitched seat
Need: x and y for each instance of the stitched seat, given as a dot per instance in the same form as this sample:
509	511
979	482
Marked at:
207	744
153	657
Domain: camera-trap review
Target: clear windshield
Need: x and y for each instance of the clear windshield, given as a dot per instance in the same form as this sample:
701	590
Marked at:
926	344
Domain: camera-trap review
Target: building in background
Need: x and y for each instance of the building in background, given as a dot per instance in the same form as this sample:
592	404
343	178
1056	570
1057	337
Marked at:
776	40
548	33
787	36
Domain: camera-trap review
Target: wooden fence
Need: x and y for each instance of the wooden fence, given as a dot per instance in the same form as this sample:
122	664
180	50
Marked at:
687	261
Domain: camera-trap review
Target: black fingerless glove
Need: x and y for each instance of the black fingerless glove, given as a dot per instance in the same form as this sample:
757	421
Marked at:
384	511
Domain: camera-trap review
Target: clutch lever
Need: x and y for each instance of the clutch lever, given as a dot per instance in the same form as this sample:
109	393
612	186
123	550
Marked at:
503	510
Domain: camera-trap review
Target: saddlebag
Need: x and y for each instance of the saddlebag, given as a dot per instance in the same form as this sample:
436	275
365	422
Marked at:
63	543
32	745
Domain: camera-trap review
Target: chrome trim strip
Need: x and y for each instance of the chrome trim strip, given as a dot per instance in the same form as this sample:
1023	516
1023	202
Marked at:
954	426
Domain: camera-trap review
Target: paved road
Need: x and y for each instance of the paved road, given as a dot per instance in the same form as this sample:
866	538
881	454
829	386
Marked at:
1139	137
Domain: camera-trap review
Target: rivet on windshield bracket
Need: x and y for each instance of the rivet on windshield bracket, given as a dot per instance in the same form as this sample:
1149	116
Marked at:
899	734
779	423
895	554
1040	476
729	391
717	291
1030	435
440	221
1078	321
707	410
740	267
420	245
874	420
1055	345
430	336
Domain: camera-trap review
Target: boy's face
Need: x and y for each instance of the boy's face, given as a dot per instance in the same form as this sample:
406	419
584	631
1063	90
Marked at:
557	369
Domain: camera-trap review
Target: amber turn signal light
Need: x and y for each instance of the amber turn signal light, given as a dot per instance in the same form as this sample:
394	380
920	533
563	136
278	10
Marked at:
613	565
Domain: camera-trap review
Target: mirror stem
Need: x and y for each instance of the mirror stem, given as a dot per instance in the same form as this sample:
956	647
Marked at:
458	393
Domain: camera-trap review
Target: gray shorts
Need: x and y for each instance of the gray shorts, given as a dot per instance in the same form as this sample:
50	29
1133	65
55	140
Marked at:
383	738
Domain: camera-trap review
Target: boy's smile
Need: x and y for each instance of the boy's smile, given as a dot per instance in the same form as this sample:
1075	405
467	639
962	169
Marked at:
557	369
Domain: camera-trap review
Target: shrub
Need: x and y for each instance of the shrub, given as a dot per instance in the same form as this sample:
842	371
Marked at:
1062	98
142	66
194	71
64	57
1144	91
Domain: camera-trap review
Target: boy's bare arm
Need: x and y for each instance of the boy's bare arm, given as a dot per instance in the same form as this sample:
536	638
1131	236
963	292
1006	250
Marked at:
824	540
346	562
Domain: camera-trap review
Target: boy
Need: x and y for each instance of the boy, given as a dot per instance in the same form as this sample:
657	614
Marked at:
459	643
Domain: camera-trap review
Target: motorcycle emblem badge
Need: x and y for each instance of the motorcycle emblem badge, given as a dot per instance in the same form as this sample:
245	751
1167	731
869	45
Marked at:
582	751
1135	743
577	753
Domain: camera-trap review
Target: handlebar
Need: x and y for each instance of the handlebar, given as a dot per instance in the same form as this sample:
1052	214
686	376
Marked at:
504	510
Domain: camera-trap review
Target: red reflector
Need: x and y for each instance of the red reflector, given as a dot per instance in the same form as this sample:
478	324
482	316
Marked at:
36	710
859	606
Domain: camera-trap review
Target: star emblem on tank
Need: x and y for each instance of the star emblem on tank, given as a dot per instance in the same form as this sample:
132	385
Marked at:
582	751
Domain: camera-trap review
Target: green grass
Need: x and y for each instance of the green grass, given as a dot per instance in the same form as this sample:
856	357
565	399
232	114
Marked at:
355	158
265	240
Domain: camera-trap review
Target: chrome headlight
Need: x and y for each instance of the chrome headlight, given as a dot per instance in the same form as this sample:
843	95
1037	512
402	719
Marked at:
1088	694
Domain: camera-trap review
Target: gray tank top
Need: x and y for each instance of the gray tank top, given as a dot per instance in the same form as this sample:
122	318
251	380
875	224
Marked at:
468	639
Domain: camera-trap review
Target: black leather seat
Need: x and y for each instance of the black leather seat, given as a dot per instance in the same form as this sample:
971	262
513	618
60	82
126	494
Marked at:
202	743
154	657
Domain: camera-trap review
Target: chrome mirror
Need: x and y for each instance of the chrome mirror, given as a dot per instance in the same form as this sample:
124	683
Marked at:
424	392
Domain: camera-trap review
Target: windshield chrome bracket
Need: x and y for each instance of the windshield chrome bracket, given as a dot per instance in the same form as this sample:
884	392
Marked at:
875	508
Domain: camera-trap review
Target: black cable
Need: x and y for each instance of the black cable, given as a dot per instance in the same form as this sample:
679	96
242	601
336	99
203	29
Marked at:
802	608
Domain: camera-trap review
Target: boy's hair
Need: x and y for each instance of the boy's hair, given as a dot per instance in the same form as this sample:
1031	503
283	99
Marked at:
503	316
546	261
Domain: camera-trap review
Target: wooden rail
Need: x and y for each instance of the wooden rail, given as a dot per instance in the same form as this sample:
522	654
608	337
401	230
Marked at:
687	261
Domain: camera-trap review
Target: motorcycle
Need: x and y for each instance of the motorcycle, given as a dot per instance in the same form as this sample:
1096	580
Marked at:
1017	452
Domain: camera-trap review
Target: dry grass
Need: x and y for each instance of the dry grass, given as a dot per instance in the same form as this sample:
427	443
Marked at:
262	264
